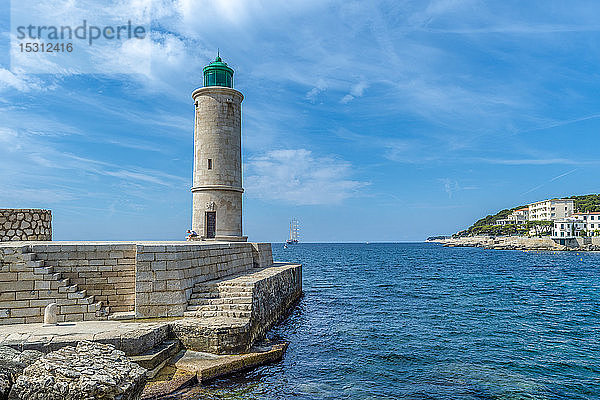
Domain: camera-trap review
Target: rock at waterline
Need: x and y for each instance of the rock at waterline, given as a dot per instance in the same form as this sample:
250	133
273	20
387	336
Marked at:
87	372
12	364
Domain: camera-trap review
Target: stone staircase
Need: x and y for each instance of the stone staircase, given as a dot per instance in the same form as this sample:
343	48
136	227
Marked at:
221	298
219	316
74	304
227	315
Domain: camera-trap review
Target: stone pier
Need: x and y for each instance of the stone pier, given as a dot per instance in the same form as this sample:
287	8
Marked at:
222	297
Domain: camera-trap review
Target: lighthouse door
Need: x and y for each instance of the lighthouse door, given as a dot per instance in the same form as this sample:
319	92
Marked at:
211	224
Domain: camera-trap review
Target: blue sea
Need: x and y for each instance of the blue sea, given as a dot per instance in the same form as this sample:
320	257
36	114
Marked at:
420	321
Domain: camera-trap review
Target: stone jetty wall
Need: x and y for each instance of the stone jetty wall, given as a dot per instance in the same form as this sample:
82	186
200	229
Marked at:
91	280
272	298
166	274
25	224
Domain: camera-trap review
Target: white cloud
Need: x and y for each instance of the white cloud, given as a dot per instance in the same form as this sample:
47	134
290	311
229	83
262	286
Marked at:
347	99
8	136
357	90
298	177
313	93
18	81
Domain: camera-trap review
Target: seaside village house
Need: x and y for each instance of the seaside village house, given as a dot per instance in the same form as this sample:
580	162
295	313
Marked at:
576	225
517	217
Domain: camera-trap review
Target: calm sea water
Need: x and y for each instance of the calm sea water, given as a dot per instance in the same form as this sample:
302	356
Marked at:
419	321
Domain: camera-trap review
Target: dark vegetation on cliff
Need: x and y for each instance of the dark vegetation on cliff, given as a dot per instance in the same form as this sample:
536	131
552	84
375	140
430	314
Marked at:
540	227
487	225
586	203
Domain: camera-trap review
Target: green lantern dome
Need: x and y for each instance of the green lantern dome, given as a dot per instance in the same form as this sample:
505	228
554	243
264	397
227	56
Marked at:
217	73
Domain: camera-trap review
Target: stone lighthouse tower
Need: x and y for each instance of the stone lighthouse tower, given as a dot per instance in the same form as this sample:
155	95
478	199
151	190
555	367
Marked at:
217	188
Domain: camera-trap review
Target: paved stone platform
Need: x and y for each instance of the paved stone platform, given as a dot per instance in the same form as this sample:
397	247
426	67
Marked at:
209	366
130	337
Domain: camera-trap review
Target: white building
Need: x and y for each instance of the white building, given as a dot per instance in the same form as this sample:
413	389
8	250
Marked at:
517	217
592	222
568	228
551	210
579	224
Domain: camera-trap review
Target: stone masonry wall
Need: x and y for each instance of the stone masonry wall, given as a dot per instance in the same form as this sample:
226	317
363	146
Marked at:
262	254
90	280
27	287
104	270
166	274
272	298
25	224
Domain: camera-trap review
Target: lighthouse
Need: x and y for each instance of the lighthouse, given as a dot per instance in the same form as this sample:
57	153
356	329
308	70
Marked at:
217	182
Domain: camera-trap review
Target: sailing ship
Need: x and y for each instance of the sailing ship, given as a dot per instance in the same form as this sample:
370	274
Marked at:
294	232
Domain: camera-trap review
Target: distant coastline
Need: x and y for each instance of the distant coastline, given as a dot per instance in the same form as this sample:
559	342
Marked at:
557	224
518	243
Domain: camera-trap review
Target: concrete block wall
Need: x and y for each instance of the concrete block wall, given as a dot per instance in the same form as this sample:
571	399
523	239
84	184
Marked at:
25	224
105	270
27	287
166	274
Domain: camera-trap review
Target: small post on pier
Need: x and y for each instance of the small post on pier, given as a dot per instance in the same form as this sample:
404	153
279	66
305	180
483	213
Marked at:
50	314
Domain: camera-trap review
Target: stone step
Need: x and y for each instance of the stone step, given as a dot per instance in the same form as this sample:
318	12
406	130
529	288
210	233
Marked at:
86	300
224	289
80	294
206	295
216	285
37	264
122	316
224	284
157	356
232	282
213	314
220	307
65	287
43	270
221	295
220	300
72	288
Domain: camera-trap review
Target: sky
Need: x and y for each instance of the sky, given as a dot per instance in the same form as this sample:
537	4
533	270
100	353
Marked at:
367	121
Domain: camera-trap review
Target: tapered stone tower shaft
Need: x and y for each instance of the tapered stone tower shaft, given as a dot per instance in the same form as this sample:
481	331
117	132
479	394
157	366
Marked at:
217	188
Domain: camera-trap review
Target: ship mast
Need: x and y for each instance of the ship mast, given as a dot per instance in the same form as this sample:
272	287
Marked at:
294	231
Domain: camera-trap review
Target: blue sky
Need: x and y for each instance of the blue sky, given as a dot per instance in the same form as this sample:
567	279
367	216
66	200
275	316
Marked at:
369	121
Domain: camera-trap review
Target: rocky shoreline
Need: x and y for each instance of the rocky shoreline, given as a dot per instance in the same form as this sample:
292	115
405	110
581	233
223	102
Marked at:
86	371
91	371
513	243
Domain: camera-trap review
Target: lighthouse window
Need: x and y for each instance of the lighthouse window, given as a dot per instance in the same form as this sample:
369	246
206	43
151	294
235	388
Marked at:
210	163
